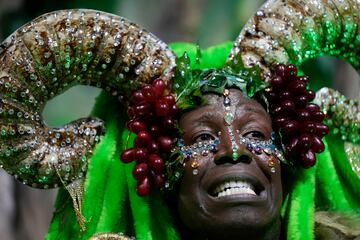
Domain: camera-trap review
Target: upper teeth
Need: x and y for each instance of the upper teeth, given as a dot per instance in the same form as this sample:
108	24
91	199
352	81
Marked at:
234	187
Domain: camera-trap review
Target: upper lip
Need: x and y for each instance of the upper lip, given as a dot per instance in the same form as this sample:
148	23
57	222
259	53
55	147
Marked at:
211	185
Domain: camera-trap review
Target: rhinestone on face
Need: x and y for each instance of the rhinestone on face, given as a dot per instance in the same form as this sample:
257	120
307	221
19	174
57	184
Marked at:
194	164
228	118
234	146
197	149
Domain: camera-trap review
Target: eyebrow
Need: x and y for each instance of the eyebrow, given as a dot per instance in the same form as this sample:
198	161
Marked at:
244	107
206	117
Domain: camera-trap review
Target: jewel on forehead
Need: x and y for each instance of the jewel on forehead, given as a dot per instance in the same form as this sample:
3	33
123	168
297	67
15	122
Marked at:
229	116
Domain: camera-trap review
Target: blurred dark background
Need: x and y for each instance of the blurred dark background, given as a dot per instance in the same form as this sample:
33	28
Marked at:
24	212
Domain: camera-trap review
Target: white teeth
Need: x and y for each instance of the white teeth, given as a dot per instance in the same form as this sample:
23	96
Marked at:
234	187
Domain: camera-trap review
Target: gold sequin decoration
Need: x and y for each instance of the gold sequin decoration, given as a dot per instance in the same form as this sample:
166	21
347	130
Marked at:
194	164
271	161
110	236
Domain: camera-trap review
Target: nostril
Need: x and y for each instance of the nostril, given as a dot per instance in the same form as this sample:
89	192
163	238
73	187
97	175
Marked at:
224	159
228	159
244	158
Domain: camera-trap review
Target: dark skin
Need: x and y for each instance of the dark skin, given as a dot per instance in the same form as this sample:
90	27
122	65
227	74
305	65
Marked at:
236	215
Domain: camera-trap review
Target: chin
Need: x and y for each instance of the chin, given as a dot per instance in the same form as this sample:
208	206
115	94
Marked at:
230	218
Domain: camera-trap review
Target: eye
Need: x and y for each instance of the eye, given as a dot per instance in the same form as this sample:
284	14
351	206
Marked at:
203	137
255	135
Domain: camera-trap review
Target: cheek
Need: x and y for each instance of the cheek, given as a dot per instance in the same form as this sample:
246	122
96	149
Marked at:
188	196
195	168
191	191
271	167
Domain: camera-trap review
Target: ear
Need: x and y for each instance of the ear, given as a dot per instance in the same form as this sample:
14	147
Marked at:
47	56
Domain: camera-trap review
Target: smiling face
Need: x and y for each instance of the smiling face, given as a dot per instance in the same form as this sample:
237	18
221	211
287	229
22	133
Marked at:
230	197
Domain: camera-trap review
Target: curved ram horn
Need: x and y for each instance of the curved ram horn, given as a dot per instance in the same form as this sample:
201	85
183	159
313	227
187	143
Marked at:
47	56
292	31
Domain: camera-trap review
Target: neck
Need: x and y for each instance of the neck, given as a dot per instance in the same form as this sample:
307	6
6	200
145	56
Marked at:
272	232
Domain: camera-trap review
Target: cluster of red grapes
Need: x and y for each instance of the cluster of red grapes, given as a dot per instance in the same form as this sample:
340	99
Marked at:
151	115
299	122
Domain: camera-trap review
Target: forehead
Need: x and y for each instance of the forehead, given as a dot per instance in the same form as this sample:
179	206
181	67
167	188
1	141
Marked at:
237	99
215	105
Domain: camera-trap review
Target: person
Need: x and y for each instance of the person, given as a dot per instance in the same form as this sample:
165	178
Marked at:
231	186
230	198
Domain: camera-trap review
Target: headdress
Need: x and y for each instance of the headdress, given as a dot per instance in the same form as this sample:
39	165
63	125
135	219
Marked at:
61	49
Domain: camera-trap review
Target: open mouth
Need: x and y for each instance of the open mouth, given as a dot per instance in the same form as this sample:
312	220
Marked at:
231	187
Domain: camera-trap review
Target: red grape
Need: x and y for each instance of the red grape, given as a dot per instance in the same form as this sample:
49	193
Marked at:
298	120
290	127
290	70
173	110
277	82
137	97
308	158
153	147
142	139
321	129
158	180
140	171
154	131
305	140
127	155
297	86
303	114
280	121
285	95
318	116
312	108
273	97
149	93
158	87
142	109
280	70
131	112
300	101
141	155
169	99
161	108
277	110
287	105
156	163
137	126
165	143
168	123
304	79
310	95
292	147
143	187
309	126
318	145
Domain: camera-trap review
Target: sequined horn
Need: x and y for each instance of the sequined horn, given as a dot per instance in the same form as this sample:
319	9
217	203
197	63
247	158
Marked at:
284	31
47	56
290	32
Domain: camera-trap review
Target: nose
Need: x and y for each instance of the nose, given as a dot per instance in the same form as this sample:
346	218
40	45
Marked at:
230	150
